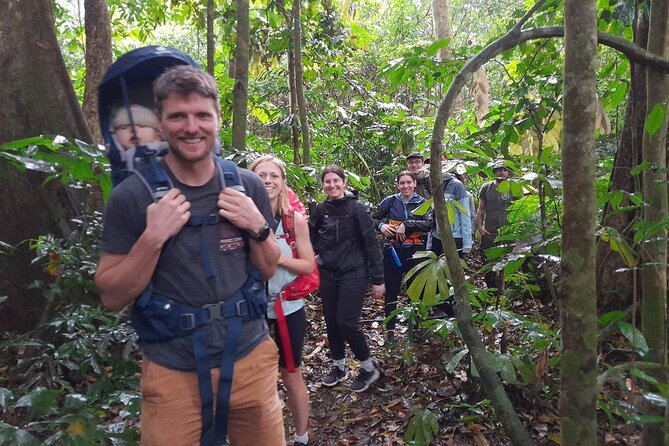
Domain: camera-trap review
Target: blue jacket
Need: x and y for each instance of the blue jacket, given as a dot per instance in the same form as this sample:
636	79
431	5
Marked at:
462	226
393	208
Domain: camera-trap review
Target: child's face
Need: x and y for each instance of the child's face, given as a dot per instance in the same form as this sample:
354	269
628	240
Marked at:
144	134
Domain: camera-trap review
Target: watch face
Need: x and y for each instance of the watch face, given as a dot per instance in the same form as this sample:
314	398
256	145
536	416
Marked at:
262	234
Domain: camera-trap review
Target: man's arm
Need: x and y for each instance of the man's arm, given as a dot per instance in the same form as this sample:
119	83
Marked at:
480	214
240	210
121	278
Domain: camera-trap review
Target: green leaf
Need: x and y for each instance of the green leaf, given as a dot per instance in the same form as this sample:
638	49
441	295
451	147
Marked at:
41	402
635	337
644	376
656	118
612	316
434	48
516	189
422	427
5	397
636	170
507	370
618	95
455	360
618	244
16	437
423	208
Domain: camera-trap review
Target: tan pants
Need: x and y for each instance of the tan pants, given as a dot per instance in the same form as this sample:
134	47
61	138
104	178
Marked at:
171	412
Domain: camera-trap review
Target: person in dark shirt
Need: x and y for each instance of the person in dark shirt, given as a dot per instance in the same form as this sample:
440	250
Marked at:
492	215
348	258
402	236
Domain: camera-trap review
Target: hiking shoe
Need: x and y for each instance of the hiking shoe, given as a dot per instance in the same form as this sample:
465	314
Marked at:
365	378
299	443
390	337
335	376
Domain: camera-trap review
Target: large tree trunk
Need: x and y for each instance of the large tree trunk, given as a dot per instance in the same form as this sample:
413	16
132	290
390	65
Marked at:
98	59
35	100
210	37
615	283
299	83
578	362
241	76
654	250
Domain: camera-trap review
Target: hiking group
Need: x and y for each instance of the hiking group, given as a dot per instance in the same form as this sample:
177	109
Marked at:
211	256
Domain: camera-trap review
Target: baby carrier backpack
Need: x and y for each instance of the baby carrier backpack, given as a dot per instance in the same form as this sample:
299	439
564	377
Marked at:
157	318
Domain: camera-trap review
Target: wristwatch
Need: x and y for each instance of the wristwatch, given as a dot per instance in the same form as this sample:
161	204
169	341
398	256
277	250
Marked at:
261	235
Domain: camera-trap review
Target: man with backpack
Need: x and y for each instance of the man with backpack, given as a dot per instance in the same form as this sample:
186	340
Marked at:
194	257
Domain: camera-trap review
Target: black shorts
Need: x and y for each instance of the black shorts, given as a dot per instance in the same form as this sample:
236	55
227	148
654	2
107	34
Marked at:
297	325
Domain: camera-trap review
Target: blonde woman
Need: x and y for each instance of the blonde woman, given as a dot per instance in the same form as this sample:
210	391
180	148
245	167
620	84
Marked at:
273	173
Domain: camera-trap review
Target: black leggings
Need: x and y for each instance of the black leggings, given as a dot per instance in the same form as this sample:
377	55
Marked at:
394	274
342	298
297	325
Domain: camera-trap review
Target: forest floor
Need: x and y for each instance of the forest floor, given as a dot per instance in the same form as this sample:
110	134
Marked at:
414	377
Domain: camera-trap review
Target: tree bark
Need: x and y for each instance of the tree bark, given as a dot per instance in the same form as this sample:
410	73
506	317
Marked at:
441	20
299	83
34	101
211	42
294	113
615	287
240	91
578	368
98	59
654	250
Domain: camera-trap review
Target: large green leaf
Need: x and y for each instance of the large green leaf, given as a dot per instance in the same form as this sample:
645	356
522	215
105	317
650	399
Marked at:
5	397
11	435
634	336
656	118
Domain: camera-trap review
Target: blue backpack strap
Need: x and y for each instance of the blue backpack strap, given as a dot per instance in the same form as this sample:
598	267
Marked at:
229	174
248	302
151	173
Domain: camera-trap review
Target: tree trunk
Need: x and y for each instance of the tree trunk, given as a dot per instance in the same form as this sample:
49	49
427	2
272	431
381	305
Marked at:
34	101
98	59
578	362
654	250
211	42
240	91
294	127
441	20
299	83
615	287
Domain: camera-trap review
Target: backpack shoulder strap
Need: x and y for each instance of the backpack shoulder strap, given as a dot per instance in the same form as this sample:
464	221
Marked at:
151	173
229	174
288	220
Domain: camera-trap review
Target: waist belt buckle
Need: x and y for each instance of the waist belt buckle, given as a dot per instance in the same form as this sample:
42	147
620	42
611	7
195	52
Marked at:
214	218
214	311
242	308
187	321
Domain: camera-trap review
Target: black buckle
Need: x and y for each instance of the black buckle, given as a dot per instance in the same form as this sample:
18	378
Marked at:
214	311
214	218
187	321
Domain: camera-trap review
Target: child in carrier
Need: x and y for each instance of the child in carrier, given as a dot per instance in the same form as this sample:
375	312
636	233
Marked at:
146	126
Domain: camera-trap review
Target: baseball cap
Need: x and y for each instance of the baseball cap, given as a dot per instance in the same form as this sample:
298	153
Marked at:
415	155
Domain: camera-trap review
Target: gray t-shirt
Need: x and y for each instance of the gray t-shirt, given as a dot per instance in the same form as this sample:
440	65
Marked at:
180	274
495	206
